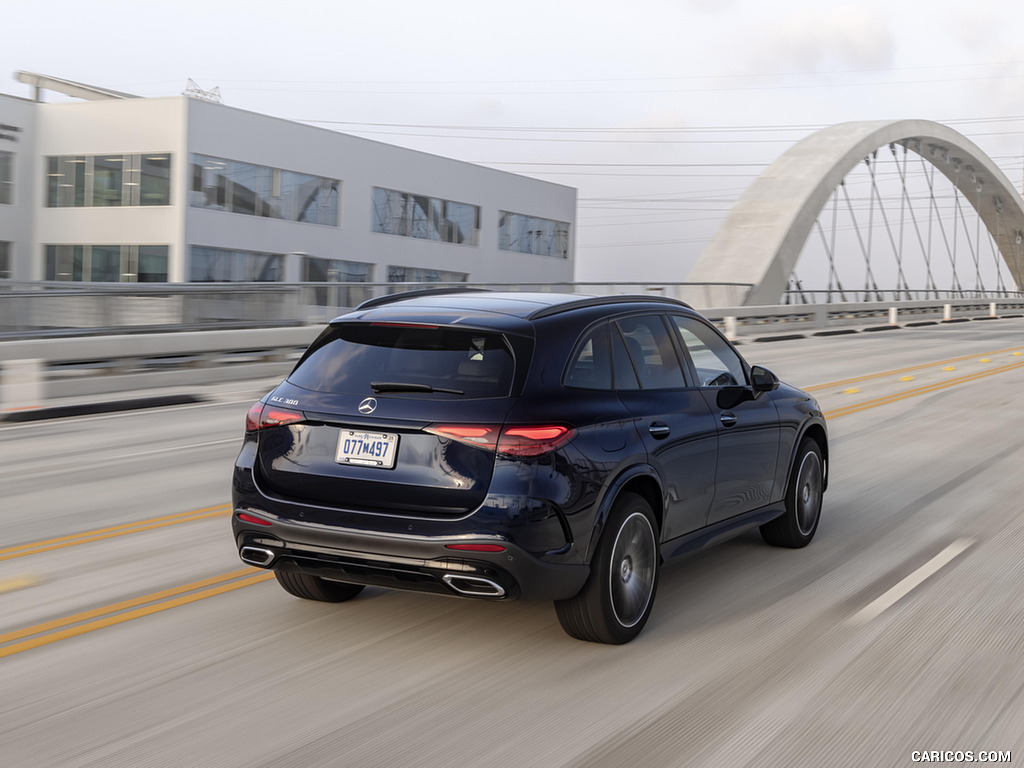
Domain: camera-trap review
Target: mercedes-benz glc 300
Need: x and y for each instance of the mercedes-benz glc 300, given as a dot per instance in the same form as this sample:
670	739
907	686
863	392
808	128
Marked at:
502	446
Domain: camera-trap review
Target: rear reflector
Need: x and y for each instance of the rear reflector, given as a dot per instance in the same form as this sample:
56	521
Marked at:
247	518
476	547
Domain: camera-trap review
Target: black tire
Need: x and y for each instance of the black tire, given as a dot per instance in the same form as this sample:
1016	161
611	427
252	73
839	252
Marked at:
616	600
796	527
314	588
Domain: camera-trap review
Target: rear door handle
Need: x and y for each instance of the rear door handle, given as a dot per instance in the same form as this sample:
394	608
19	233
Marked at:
729	419
659	430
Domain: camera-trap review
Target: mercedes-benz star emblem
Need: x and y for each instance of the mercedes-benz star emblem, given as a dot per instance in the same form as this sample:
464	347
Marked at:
369	405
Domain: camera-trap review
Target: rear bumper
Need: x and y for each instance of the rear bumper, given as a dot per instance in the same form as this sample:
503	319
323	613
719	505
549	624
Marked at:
404	561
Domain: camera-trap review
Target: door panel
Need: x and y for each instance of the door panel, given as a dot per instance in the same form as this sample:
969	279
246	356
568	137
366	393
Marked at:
747	421
681	439
674	421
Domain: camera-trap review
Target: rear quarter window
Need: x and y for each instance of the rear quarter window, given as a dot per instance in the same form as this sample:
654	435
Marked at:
351	357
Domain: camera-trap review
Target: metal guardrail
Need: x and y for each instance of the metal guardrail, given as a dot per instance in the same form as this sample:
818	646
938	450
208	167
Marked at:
31	309
798	296
756	322
38	369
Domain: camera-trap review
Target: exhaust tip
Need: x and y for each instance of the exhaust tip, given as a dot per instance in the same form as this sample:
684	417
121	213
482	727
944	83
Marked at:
256	556
473	586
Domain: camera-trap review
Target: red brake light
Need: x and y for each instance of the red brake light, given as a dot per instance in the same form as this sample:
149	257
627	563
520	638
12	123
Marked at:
252	418
478	435
534	441
261	416
405	325
511	441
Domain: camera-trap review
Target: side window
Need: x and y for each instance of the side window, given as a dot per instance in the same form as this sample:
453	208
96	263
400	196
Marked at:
716	363
590	366
651	352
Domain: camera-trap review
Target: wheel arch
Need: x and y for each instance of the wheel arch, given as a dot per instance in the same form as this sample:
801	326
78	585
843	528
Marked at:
816	431
641	480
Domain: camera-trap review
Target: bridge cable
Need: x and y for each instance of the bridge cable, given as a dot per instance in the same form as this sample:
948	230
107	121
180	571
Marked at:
869	278
930	284
901	280
934	211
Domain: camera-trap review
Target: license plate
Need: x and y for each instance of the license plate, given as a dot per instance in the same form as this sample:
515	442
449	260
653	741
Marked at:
367	449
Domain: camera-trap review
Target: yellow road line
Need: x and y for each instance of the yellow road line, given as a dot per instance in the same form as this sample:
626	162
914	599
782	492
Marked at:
896	371
118	613
919	391
15	583
99	534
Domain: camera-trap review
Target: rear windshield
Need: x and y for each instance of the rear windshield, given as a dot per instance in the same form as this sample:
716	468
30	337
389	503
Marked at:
351	358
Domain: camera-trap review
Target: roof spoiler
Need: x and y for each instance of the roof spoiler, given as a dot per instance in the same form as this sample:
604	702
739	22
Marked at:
380	300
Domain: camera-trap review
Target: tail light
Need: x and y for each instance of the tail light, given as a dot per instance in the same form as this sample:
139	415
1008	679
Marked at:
510	441
534	441
262	415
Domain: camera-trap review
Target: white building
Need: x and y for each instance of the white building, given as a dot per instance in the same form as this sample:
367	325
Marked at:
116	188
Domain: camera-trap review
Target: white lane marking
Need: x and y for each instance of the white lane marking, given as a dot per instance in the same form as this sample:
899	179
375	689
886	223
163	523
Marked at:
172	448
65	467
895	593
120	414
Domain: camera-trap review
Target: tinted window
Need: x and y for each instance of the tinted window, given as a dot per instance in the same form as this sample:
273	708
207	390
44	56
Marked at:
716	363
590	366
651	352
351	356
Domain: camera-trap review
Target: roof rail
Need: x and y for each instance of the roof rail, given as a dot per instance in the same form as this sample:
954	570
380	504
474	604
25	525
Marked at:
379	300
595	301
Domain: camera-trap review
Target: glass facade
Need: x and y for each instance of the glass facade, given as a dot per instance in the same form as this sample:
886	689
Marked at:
255	190
420	275
225	265
532	234
426	218
5	260
107	263
6	178
317	270
83	181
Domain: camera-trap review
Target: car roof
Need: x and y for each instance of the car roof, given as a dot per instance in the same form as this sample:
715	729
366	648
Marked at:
472	304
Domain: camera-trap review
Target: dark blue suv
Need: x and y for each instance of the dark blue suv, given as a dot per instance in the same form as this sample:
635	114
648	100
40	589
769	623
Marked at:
515	445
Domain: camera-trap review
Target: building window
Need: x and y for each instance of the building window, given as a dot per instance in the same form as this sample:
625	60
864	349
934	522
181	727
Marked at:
532	234
426	218
224	265
155	180
107	263
316	270
84	181
5	260
420	275
6	178
255	190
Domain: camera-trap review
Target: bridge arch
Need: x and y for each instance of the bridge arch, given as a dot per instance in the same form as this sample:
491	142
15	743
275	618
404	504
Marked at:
764	232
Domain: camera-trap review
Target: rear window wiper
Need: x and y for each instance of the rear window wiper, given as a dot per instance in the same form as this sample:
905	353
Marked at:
400	386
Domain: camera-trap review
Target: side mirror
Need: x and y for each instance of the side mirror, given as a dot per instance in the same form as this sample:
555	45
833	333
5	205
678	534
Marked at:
763	380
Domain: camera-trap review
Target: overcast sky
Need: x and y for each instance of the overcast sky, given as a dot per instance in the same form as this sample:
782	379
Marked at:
659	112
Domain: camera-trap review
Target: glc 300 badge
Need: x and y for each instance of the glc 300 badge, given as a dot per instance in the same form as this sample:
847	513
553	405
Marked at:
369	405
